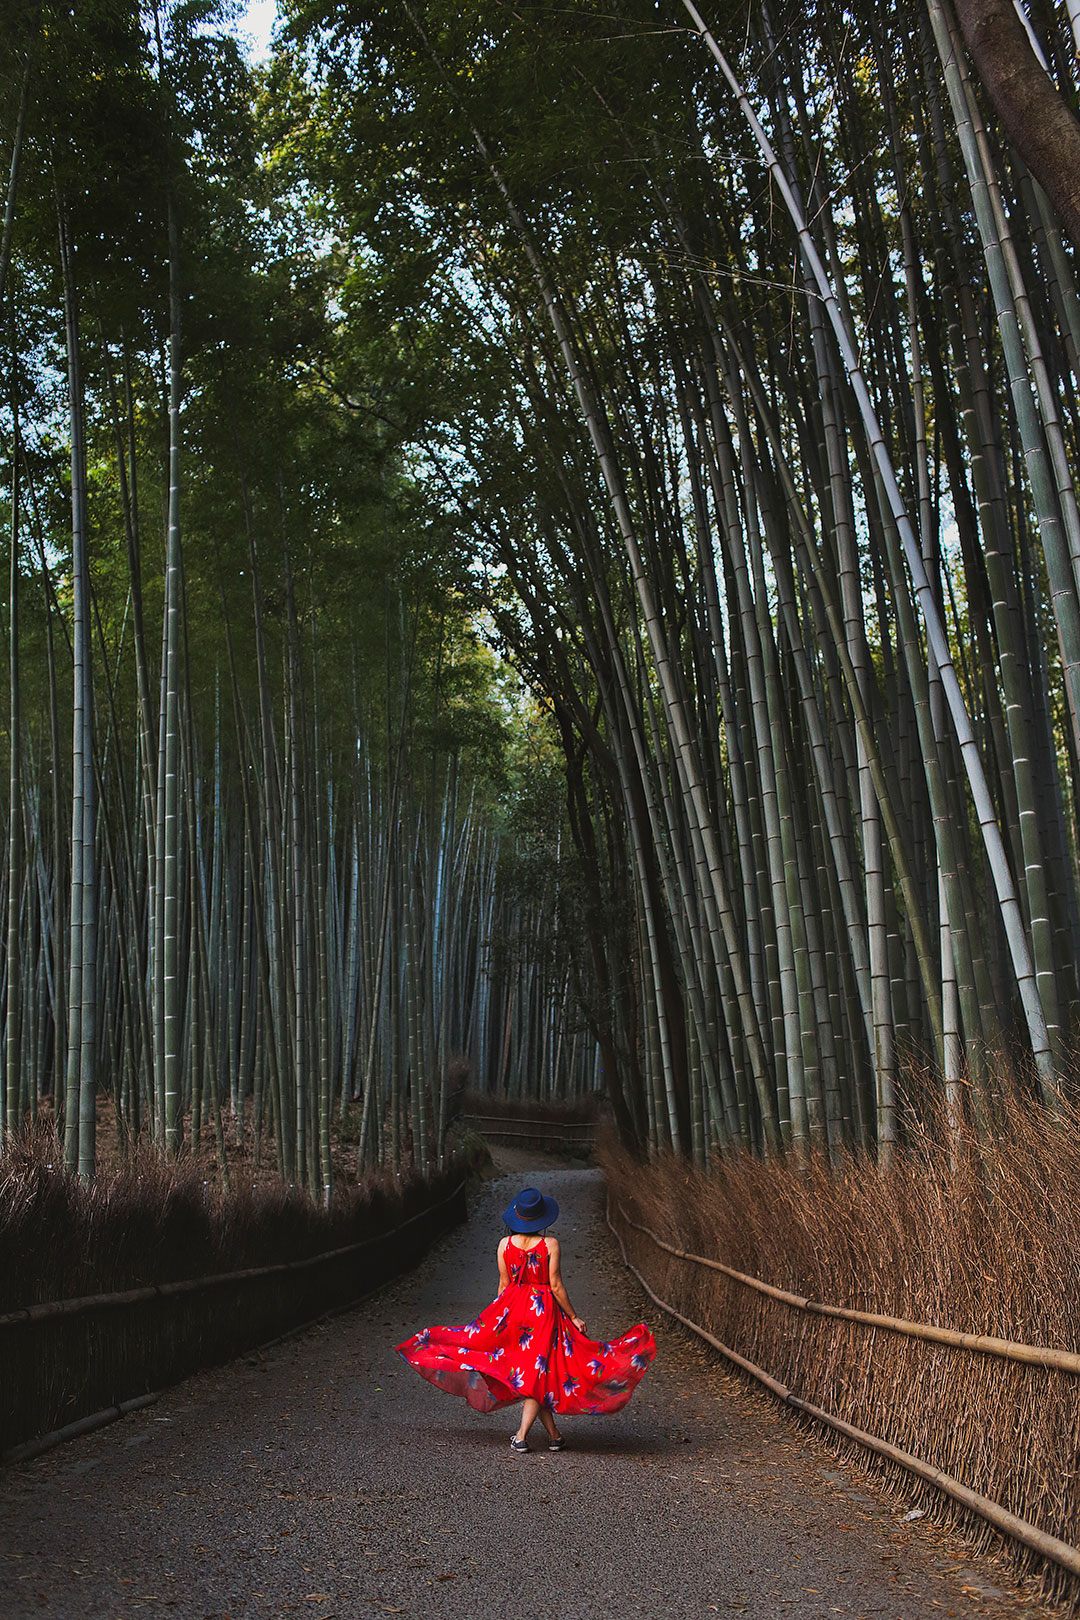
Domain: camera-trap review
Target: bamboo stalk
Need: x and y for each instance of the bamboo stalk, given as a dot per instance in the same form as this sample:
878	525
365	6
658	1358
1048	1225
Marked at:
1012	918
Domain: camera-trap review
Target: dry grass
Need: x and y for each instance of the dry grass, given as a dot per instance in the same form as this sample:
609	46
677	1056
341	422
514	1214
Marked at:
982	1239
151	1222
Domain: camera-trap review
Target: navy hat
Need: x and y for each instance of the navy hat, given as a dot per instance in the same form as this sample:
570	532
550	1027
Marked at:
531	1211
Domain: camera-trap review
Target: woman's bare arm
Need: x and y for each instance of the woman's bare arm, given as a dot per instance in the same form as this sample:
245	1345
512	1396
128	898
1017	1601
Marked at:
557	1287
504	1275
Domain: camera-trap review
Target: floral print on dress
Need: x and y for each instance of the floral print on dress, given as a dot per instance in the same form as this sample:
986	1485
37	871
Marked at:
524	1344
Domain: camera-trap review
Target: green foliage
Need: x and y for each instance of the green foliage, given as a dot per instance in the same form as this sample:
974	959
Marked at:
296	411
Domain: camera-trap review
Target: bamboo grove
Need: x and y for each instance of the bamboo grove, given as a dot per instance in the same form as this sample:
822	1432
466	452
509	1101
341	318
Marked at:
258	885
716	372
759	349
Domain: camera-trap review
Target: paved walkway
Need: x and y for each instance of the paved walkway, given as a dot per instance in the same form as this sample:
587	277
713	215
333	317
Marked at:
326	1479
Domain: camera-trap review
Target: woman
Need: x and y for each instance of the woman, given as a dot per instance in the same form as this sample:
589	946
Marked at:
528	1345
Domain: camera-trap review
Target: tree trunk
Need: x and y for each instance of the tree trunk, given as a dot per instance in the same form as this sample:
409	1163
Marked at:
1036	117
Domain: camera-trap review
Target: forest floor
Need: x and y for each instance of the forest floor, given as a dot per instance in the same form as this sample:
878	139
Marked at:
244	1166
323	1477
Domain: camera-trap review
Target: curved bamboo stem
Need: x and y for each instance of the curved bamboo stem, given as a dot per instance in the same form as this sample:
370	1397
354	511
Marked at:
1009	906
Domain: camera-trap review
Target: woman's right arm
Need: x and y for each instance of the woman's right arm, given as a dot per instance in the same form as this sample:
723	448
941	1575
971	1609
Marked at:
504	1275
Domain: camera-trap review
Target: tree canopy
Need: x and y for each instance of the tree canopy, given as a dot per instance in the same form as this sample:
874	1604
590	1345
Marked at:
605	486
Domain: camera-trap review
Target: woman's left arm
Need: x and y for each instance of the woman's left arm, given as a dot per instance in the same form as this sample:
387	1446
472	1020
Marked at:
557	1287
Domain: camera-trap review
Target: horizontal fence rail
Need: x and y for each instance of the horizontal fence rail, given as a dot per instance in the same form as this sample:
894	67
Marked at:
47	1310
561	1133
74	1431
1059	1552
71	1364
1033	1355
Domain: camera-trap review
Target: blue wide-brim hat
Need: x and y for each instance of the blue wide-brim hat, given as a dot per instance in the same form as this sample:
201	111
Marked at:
531	1211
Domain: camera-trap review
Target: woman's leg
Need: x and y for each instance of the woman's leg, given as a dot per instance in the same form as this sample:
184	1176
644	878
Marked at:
547	1418
530	1410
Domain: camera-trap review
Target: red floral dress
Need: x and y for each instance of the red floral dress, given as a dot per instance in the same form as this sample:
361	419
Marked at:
524	1344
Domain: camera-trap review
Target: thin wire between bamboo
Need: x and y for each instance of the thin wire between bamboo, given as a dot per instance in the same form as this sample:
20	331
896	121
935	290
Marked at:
1032	1354
48	1310
1059	1552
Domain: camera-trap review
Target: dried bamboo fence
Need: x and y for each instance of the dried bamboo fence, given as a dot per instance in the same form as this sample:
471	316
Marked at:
847	1367
1034	1354
68	1360
546	1135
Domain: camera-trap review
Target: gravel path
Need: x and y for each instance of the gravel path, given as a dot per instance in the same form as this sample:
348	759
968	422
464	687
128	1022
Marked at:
325	1478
